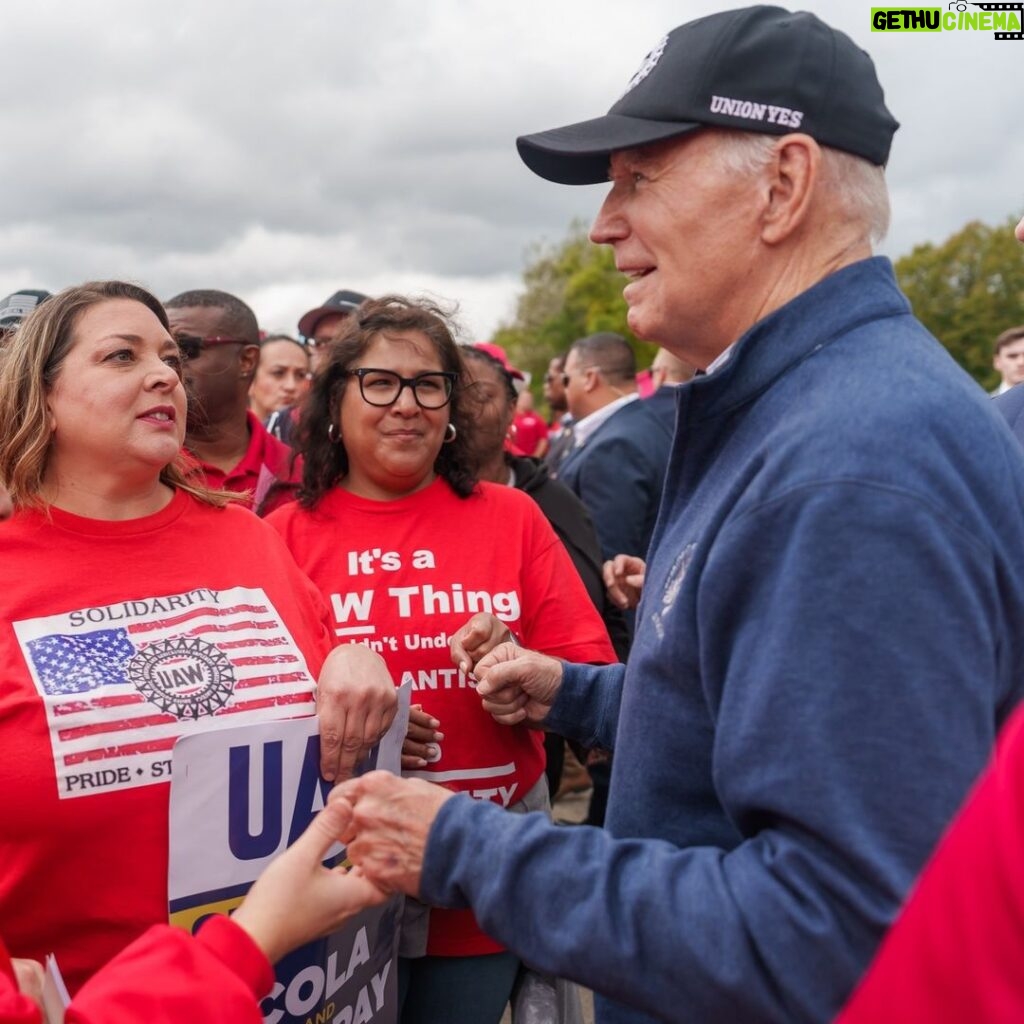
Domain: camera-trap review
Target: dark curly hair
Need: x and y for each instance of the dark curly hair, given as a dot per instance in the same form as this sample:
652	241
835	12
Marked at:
326	463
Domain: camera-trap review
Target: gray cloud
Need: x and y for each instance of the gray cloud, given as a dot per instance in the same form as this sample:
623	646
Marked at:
282	152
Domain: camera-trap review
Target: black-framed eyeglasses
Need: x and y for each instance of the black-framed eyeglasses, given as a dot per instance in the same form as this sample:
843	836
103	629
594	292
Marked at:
381	388
191	345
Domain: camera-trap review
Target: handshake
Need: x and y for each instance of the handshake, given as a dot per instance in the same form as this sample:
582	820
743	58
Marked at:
385	821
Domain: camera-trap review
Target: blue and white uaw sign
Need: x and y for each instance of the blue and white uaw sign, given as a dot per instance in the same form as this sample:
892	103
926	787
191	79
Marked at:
239	796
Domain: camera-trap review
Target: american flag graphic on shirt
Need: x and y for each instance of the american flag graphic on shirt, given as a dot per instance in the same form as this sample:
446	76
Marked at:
122	682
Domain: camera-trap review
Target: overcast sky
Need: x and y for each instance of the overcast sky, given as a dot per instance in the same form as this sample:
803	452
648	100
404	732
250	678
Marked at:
282	151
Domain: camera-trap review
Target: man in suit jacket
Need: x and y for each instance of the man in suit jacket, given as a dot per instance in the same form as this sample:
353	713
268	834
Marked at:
621	446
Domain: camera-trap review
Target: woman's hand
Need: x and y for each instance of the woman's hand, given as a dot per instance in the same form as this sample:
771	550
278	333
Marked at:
477	638
420	746
297	899
356	702
29	976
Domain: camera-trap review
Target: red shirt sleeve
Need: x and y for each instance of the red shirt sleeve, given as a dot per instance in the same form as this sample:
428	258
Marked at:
956	952
169	977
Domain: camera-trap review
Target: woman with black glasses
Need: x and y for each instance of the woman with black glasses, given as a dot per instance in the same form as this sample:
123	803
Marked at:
406	546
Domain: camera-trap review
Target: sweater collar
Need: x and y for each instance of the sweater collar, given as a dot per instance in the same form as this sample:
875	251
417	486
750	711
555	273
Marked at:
861	292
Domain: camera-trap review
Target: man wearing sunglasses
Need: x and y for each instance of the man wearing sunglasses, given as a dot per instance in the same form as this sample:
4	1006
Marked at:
219	341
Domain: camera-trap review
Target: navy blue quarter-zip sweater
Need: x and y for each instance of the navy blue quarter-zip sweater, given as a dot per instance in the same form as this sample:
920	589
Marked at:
829	637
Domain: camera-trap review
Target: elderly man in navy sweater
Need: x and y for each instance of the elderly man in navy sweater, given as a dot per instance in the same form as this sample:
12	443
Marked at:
829	634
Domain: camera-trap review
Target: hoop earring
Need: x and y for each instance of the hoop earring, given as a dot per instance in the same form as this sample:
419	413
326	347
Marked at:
450	433
333	433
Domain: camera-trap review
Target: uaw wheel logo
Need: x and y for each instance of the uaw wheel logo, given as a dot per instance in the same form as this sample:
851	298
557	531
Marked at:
187	678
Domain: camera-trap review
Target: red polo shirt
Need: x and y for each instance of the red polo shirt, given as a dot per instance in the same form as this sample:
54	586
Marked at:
265	471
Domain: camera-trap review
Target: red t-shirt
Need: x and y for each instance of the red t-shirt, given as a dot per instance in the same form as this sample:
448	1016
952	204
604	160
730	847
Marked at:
116	638
404	575
266	471
956	952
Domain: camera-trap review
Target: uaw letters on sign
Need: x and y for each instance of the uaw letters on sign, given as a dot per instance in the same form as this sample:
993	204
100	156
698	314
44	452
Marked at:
122	682
240	796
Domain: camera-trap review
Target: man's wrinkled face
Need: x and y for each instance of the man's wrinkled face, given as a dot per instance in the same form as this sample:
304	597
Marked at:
685	234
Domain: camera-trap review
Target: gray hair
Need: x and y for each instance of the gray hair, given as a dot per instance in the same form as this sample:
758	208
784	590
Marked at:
858	187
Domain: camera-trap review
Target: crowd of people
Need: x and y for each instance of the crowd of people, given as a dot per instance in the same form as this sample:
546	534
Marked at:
770	596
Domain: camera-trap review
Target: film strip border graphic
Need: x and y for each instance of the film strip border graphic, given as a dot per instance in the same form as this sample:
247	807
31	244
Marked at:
1018	7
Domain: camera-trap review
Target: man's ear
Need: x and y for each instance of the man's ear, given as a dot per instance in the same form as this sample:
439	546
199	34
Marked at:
248	360
793	175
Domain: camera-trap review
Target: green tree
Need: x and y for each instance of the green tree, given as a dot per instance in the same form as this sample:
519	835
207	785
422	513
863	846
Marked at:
968	290
571	289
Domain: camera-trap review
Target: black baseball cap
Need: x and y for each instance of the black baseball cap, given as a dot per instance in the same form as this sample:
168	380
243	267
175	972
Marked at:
755	69
340	302
18	305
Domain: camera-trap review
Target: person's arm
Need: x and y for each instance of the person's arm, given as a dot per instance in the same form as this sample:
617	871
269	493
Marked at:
853	700
169	977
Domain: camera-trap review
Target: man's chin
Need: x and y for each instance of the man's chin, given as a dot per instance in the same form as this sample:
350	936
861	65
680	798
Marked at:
645	328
